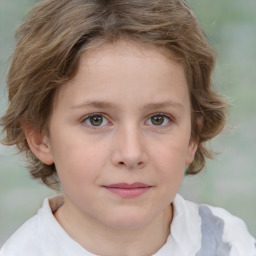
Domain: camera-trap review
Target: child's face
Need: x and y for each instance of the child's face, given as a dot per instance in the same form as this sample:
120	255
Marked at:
124	119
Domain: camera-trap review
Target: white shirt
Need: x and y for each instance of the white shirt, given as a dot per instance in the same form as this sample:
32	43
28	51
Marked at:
196	230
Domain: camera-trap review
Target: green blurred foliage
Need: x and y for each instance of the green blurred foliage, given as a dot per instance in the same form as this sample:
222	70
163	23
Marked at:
229	180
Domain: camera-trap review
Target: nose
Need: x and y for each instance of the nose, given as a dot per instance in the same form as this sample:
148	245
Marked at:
129	149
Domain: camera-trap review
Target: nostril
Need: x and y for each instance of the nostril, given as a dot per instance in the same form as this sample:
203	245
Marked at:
123	163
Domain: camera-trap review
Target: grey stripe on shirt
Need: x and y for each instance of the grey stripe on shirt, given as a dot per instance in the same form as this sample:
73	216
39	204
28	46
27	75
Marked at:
212	232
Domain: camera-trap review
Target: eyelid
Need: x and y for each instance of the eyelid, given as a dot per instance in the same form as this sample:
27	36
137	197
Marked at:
170	117
86	117
161	114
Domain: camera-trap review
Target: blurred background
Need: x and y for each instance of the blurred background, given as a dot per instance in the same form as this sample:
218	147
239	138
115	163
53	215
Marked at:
229	181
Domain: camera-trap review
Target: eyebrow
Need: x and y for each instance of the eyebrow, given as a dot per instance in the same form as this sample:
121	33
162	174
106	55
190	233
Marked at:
147	107
165	104
95	104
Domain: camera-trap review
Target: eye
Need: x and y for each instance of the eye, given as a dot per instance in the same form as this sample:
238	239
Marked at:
95	120
161	120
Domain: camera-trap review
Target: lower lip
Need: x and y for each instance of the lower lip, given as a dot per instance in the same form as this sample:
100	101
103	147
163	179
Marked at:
128	192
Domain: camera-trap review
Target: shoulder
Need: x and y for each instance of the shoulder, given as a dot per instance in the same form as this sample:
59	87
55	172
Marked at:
30	237
22	239
221	232
43	235
233	231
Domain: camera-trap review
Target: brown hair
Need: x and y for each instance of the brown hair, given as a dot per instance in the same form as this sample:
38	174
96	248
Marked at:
56	33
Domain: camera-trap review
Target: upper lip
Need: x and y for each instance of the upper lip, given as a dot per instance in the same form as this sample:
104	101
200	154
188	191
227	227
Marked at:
128	186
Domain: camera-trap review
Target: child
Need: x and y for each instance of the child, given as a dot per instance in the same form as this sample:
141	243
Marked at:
111	100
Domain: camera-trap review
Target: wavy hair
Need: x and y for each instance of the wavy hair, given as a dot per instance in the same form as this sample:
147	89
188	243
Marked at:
54	35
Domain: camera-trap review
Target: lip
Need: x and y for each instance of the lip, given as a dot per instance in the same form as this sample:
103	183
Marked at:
127	190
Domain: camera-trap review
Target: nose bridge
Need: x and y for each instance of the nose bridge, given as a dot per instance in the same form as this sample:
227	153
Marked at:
130	147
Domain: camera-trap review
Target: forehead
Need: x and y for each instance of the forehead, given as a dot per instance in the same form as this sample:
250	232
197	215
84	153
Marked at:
129	70
125	50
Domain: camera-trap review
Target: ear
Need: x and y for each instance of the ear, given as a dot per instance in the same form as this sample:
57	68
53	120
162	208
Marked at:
192	147
39	143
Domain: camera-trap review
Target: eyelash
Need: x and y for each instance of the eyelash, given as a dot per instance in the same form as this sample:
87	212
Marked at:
169	117
94	127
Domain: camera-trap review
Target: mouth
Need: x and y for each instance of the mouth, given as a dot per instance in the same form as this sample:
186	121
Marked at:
128	190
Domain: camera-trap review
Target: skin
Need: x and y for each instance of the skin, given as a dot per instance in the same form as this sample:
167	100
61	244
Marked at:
143	130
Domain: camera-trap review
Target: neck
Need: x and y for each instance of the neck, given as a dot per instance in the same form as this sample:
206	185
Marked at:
141	241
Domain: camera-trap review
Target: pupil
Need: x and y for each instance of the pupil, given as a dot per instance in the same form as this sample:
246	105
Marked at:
96	120
157	120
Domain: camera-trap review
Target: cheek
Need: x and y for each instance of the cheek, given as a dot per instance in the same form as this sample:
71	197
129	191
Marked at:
172	154
170	163
79	163
169	170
